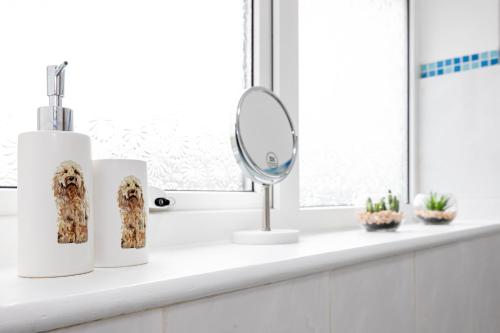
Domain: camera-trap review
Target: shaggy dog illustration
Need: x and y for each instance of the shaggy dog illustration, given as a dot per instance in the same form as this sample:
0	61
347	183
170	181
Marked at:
131	204
72	208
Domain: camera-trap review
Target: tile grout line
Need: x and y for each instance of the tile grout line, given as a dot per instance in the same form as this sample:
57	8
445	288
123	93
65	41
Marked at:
414	255
330	301
163	319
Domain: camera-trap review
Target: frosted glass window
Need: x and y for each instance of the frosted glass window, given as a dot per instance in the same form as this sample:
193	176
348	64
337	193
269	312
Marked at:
150	79
353	100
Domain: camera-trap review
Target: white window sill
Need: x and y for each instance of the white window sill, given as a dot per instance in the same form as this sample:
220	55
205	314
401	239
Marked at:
179	274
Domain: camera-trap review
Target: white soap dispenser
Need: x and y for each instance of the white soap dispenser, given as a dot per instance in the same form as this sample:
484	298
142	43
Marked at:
55	228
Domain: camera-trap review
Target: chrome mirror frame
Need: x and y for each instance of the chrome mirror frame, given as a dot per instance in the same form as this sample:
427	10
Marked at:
247	164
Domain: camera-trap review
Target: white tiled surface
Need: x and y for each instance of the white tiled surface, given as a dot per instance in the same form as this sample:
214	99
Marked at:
374	297
176	275
451	288
458	287
141	322
295	306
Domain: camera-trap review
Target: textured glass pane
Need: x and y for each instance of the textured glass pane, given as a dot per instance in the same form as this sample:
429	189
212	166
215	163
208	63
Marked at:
353	99
148	79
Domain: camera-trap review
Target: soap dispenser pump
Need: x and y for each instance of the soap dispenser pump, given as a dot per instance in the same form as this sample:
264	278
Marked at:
55	116
55	226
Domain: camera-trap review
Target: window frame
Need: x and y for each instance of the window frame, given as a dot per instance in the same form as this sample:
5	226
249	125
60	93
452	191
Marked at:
201	216
258	36
286	44
191	200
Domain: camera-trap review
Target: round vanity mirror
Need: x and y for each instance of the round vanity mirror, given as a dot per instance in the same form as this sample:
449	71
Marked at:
264	140
265	145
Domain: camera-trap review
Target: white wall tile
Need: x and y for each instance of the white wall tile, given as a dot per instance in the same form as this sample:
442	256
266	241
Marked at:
459	150
458	287
295	306
374	297
141	322
447	28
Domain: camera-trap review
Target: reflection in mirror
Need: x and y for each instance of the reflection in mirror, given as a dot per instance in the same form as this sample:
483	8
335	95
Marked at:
265	146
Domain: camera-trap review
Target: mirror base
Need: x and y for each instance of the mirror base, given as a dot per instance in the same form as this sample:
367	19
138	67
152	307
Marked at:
258	237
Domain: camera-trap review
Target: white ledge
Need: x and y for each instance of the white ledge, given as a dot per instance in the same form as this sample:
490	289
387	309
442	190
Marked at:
181	274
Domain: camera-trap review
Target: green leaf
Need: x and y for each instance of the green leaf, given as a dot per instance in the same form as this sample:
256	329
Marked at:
369	206
435	203
382	204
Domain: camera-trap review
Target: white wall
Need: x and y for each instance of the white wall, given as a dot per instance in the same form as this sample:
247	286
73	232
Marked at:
458	115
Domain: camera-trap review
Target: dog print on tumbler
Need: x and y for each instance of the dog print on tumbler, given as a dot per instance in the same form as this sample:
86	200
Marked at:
72	208
133	215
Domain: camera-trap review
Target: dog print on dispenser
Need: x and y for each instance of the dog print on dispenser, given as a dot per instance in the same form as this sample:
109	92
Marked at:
133	215
72	207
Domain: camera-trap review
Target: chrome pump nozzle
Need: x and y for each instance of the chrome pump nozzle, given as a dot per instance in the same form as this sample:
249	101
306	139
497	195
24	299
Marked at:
55	117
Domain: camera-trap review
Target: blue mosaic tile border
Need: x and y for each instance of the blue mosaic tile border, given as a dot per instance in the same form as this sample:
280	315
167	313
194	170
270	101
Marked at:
459	64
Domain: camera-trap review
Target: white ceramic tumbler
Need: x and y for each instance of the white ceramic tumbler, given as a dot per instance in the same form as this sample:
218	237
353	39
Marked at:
121	212
55	226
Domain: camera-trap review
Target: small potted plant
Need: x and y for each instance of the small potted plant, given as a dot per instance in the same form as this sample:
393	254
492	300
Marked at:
434	208
383	215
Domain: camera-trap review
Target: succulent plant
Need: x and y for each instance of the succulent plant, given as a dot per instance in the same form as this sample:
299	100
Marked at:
381	205
436	203
393	202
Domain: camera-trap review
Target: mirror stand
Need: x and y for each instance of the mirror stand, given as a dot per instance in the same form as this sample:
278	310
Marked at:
265	146
266	221
266	236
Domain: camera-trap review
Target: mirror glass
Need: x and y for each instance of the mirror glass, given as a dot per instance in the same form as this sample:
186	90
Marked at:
264	142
